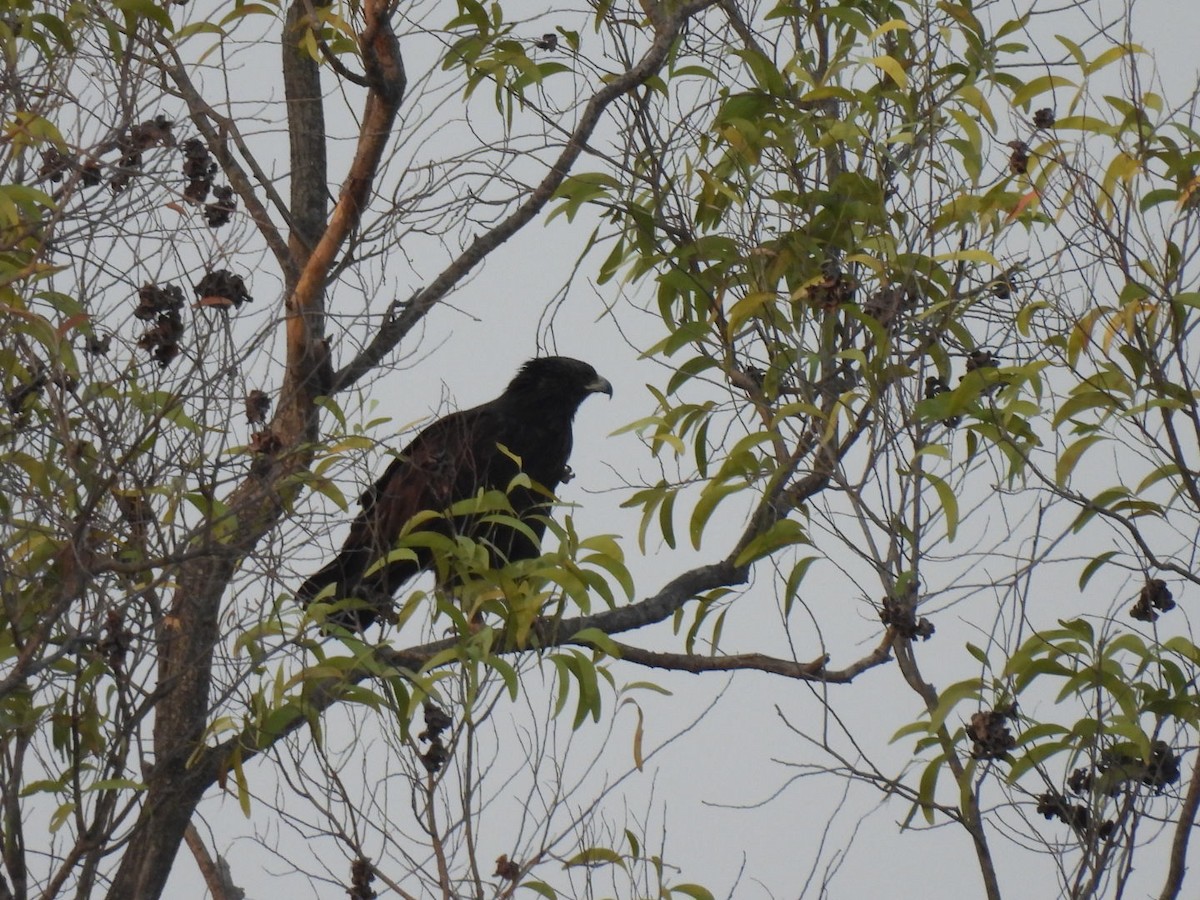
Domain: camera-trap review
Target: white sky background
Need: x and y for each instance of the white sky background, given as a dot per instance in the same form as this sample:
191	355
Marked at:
741	754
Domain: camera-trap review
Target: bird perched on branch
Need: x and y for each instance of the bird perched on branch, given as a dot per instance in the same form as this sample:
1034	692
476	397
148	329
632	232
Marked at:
527	429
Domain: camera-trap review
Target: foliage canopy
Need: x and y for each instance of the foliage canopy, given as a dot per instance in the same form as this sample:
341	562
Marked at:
914	285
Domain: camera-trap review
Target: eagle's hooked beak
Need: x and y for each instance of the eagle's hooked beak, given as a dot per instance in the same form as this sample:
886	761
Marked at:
600	386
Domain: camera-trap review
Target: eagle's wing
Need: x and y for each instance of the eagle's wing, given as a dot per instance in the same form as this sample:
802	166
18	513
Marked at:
451	461
445	462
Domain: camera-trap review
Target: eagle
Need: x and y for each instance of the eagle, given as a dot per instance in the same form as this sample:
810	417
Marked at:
527	429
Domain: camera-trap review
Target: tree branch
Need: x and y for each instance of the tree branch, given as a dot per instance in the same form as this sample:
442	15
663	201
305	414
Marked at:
1183	833
758	662
189	633
216	873
392	331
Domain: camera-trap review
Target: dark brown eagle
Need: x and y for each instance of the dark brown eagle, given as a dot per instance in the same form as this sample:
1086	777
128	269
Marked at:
526	429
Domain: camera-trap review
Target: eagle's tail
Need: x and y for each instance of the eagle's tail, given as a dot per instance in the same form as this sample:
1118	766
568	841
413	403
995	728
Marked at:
344	572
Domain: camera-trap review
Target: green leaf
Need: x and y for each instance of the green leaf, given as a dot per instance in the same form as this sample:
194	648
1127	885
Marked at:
1035	756
782	533
695	891
243	787
577	190
983	257
1070	457
1111	55
598	639
978	653
710	498
61	816
927	789
1081	402
949	503
1093	125
918	727
1093	566
512	681
194	28
950	697
595	856
145	9
116	784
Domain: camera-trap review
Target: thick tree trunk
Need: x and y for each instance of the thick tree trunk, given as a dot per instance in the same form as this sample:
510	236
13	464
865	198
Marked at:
189	634
186	641
309	181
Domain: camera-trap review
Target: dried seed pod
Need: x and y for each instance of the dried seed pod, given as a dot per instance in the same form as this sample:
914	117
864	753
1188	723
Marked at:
832	288
24	390
437	720
222	285
90	174
130	164
887	303
1018	161
221	210
935	385
902	617
507	868
162	305
154	132
362	873
1080	781
990	735
1153	598
435	757
265	442
1053	805
154	300
198	169
96	345
980	359
55	165
116	641
258	404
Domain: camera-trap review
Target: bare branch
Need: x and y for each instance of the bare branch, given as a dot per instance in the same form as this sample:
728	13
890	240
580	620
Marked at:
811	671
216	873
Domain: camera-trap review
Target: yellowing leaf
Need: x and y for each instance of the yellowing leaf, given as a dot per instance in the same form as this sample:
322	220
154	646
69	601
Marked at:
888	26
1040	86
1185	195
1123	168
894	70
976	256
1111	55
747	308
1023	204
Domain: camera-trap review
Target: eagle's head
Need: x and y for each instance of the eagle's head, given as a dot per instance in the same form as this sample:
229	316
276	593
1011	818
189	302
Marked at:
555	384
